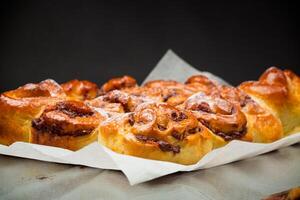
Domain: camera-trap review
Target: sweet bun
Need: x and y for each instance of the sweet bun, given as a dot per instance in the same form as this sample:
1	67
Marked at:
67	124
80	90
161	120
279	92
225	120
18	107
157	131
262	125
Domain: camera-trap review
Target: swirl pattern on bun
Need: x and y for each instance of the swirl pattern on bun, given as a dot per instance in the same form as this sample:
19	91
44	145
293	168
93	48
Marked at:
20	106
67	124
157	131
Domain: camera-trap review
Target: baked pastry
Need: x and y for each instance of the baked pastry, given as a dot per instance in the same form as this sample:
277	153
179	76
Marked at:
162	120
225	120
279	92
80	90
18	107
67	124
262	126
157	131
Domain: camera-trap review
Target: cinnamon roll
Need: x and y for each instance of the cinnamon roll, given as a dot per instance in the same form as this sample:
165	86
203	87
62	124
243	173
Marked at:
161	120
225	120
262	125
18	107
157	131
279	92
67	124
80	90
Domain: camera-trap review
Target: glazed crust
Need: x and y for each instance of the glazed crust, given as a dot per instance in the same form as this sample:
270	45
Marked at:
224	119
67	124
116	102
157	131
18	107
279	92
168	91
80	90
161	120
262	125
118	83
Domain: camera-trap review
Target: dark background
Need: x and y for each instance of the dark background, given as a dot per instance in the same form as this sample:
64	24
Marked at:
97	40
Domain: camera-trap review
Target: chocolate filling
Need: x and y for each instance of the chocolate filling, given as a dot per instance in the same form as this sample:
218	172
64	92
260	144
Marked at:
164	146
118	98
194	130
245	101
73	110
131	119
232	135
178	116
145	138
167	96
42	126
161	127
226	136
203	106
181	136
177	135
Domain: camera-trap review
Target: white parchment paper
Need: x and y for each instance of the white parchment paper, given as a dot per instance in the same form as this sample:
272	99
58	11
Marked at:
139	170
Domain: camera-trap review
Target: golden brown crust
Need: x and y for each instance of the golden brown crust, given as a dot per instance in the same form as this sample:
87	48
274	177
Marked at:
157	131
117	101
272	86
118	83
18	107
46	88
171	92
162	120
163	83
67	124
262	125
223	118
175	93
80	90
200	83
278	91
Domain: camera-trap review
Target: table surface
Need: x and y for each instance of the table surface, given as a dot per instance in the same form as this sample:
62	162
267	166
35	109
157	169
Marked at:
253	178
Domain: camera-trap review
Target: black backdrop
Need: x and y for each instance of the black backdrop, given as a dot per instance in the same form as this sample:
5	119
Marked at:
97	40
